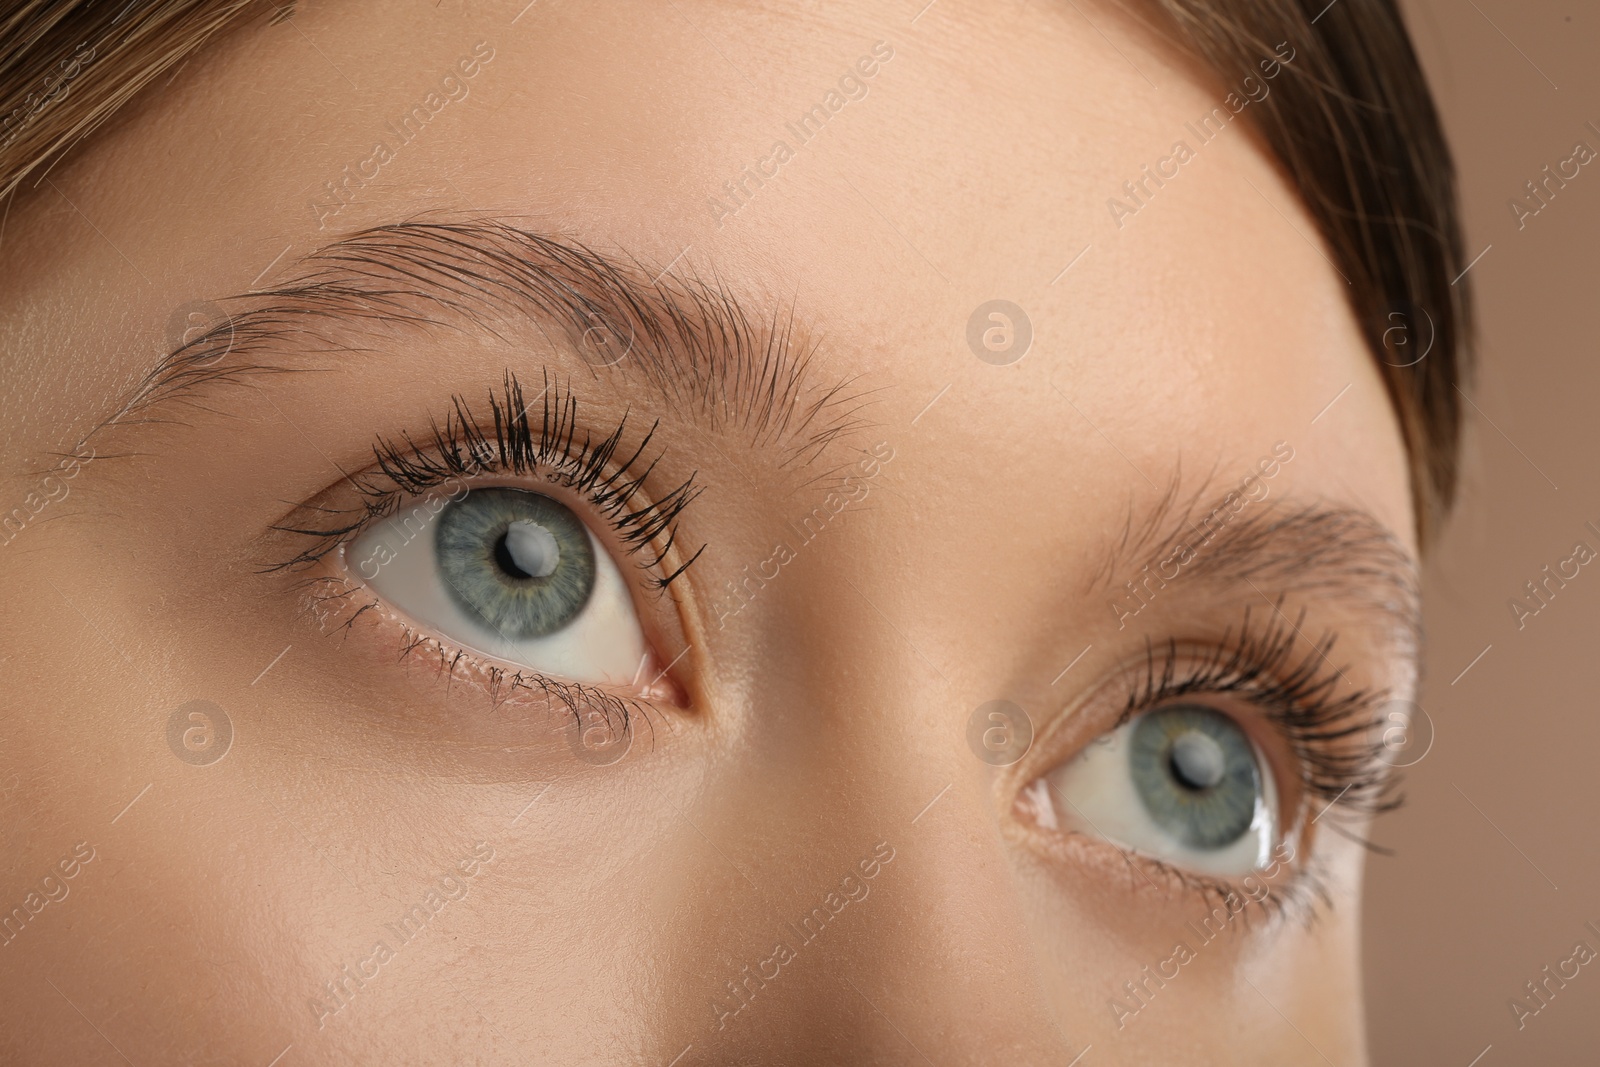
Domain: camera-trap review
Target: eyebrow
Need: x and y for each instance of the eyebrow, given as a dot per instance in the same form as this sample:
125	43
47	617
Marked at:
1275	546
707	356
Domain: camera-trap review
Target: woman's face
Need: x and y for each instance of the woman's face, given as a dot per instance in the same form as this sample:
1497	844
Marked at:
737	550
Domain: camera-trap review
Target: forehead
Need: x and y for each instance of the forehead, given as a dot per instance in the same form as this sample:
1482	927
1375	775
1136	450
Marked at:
889	172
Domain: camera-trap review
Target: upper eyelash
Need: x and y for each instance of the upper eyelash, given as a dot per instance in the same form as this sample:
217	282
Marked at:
1259	664
515	444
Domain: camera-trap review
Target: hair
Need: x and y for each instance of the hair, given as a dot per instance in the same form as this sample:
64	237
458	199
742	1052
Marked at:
68	65
1350	121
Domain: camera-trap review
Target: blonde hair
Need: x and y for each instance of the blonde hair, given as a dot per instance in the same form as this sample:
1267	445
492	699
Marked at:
68	65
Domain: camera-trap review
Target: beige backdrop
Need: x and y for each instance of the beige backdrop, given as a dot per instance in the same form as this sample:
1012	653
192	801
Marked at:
1498	862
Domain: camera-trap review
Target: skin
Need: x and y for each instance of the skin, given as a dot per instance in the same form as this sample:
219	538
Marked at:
823	718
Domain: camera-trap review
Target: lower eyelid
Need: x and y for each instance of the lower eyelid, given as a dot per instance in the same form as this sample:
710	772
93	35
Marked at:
1289	888
427	711
339	605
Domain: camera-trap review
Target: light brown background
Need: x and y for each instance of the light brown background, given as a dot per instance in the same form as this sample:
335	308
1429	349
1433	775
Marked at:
1477	902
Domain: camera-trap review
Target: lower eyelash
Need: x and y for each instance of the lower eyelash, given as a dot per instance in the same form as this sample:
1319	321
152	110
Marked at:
329	597
1295	900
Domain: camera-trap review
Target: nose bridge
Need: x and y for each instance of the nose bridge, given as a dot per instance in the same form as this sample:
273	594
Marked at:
881	919
942	956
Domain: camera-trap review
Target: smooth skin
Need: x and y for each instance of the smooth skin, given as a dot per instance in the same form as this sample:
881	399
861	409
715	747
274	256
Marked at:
824	718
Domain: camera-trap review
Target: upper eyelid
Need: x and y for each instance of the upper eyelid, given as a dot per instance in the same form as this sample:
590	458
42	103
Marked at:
461	447
1302	701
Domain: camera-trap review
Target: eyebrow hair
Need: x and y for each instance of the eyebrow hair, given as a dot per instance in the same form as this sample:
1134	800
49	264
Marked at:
1315	548
703	351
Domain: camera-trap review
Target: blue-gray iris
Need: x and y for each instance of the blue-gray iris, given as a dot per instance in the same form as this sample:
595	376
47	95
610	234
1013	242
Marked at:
521	562
1196	773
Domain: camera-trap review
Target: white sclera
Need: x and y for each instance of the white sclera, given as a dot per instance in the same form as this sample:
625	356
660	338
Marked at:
603	644
1094	793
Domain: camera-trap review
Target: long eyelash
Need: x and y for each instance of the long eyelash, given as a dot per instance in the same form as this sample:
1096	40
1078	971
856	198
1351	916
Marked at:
1331	735
1324	730
548	445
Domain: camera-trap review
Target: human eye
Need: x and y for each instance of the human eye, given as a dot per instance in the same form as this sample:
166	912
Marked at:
513	546
512	575
1183	783
1215	760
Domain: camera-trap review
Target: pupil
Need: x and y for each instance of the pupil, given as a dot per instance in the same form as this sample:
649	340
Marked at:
526	550
1197	762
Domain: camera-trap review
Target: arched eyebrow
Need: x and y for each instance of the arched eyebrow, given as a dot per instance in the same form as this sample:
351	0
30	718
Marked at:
707	356
1262	549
